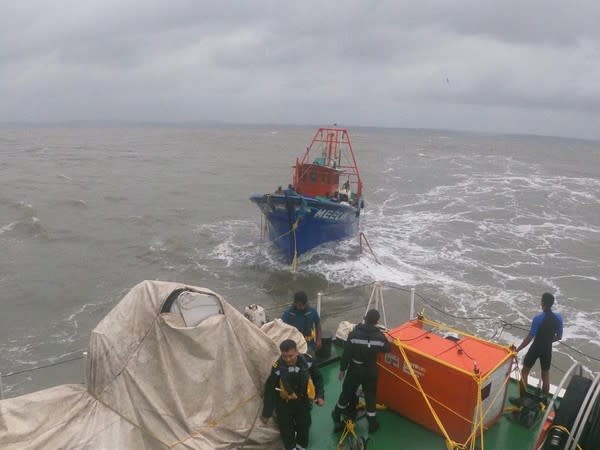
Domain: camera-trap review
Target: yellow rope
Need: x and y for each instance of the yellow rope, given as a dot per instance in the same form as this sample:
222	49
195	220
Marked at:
478	426
481	416
211	423
428	396
471	437
565	430
264	226
463	333
349	429
130	421
293	231
281	235
416	380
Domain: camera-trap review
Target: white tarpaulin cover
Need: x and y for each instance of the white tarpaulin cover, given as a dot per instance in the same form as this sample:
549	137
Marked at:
344	329
154	383
279	331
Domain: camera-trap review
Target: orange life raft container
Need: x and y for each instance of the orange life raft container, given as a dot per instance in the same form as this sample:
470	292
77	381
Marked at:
451	370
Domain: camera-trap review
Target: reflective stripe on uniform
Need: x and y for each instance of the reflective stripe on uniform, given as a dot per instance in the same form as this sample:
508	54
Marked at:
295	369
367	342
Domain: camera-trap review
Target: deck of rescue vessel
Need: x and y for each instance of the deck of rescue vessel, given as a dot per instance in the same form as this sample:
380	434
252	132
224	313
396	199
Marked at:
399	433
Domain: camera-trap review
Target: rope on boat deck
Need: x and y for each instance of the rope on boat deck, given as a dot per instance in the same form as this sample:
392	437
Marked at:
215	422
349	430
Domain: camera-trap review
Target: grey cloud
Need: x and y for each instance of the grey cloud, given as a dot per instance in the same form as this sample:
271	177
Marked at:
301	61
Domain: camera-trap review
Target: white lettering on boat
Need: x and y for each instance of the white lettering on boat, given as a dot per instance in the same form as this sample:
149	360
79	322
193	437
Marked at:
330	214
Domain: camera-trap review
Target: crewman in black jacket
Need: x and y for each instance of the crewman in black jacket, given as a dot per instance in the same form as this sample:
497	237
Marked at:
360	362
294	383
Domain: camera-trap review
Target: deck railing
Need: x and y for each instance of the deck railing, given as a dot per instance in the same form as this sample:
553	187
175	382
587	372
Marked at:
83	355
376	300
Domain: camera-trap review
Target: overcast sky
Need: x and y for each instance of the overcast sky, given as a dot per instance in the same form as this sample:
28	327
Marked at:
523	66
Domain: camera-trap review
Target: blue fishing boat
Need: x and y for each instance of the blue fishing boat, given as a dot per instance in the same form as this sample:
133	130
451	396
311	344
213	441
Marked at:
322	203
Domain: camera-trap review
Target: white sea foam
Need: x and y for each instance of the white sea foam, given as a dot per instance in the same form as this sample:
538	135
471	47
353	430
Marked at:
473	240
8	227
480	227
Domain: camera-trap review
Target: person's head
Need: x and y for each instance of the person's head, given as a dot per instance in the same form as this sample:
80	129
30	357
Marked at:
289	352
372	317
547	300
300	300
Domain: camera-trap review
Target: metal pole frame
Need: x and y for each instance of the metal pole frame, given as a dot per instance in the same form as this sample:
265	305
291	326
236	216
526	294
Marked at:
319	297
377	295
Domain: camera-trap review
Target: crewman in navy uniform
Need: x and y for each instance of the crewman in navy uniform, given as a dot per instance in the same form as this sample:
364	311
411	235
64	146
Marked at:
358	367
306	319
294	383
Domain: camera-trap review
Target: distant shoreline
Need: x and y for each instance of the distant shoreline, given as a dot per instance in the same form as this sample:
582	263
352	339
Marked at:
223	124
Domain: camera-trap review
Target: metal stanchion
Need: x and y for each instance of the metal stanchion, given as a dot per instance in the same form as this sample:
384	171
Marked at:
319	296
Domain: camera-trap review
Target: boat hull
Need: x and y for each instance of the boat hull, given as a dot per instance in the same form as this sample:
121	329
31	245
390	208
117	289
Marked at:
298	224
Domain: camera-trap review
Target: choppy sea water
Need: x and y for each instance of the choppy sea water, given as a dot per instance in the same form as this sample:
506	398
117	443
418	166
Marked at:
480	225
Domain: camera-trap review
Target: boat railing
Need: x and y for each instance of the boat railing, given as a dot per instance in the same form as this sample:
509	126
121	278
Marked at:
500	325
376	300
557	392
3	376
588	405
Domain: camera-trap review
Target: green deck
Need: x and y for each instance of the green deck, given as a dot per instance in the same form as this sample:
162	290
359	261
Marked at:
397	432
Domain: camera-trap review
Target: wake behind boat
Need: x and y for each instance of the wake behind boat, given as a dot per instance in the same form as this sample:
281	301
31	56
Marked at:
323	202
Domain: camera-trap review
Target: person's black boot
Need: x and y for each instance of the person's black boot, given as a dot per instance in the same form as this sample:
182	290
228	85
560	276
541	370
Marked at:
351	413
373	424
336	415
516	401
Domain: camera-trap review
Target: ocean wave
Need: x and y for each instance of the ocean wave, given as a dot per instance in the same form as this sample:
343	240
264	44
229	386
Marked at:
74	203
27	227
486	244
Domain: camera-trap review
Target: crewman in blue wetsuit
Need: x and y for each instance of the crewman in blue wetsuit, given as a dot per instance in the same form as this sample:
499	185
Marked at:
546	328
294	383
358	367
306	319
